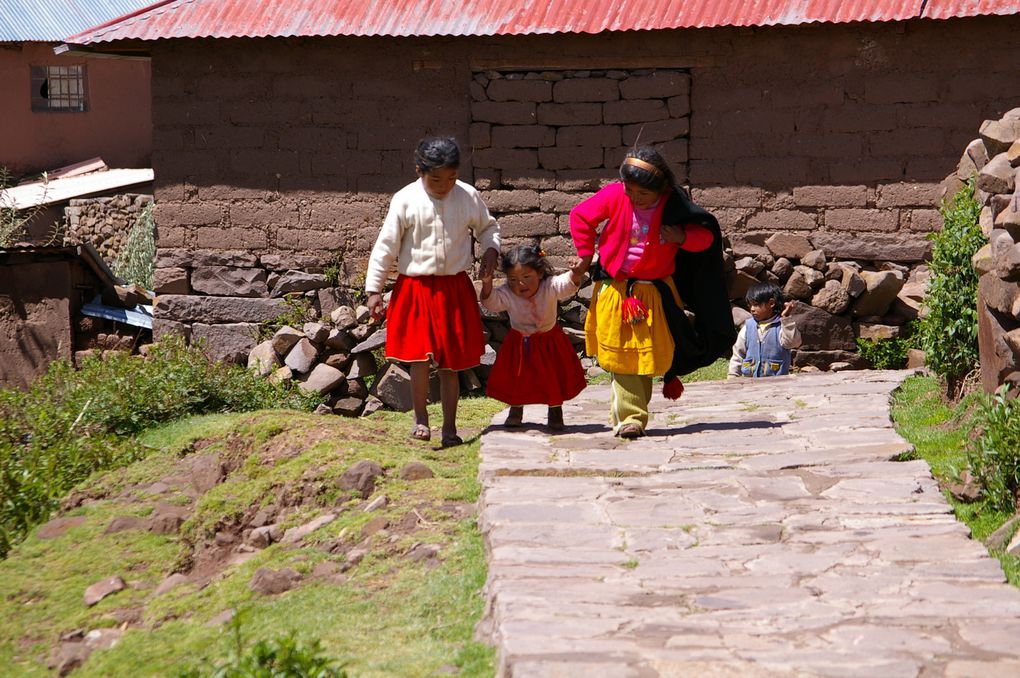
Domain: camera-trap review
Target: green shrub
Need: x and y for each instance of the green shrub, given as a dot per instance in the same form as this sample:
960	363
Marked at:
70	423
948	332
136	262
994	456
277	658
888	354
299	311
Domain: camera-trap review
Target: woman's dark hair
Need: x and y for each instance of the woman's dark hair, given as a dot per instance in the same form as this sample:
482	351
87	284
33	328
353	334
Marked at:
762	292
657	180
526	255
435	153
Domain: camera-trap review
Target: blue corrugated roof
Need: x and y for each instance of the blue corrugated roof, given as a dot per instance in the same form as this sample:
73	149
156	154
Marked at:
54	20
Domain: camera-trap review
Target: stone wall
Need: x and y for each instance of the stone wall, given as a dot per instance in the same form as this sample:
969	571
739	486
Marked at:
281	155
995	156
103	223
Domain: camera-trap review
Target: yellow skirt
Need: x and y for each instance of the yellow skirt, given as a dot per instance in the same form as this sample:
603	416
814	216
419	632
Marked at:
621	347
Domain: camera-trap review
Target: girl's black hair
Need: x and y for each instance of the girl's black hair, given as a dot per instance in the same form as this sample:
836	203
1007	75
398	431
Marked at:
435	153
655	181
762	292
526	255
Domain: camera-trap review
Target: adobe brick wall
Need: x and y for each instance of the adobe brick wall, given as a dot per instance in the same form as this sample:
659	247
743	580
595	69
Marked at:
287	149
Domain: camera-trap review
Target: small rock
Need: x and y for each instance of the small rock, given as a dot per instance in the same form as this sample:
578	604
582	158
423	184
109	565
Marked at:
296	534
966	490
58	526
415	470
379	502
361	477
269	582
171	582
420	552
125	523
102	589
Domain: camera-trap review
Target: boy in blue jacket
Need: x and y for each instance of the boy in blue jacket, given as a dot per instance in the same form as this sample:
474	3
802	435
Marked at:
764	342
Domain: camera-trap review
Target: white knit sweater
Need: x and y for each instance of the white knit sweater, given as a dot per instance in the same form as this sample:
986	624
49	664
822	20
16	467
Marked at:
430	236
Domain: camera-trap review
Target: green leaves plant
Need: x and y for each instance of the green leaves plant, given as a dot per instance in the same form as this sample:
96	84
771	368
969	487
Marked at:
948	332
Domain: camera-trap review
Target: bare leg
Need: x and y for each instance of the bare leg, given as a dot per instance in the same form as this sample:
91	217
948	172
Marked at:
449	395
419	399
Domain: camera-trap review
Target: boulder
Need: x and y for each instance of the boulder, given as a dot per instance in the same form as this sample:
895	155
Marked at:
821	330
301	358
344	318
393	386
322	379
996	176
882	288
228	281
227	342
814	259
263	359
102	589
360	477
298	281
832	298
317	333
285	338
788	245
973	159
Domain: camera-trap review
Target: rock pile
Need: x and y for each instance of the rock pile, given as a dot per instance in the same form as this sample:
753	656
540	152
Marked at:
334	357
835	301
103	223
995	158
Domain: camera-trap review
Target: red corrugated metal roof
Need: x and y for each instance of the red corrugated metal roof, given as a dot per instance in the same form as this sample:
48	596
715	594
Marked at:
293	18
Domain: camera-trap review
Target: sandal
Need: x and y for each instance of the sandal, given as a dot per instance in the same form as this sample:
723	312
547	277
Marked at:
515	418
452	440
630	431
421	432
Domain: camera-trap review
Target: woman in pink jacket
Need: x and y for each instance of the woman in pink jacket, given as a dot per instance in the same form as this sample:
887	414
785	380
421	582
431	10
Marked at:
626	328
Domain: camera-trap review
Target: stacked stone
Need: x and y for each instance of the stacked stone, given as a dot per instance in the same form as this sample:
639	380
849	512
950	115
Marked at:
103	223
222	297
995	158
333	357
834	301
329	358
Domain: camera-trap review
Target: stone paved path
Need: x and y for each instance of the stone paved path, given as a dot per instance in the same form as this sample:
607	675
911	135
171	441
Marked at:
760	529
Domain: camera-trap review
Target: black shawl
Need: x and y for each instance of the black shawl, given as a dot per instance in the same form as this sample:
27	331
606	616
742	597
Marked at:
702	286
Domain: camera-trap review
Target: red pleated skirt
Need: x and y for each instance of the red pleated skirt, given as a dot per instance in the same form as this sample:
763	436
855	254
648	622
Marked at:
435	318
541	369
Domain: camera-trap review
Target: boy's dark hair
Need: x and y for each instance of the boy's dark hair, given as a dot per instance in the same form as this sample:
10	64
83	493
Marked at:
436	152
762	292
658	180
527	255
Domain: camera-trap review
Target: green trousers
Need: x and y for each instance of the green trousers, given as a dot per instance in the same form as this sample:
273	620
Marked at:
631	393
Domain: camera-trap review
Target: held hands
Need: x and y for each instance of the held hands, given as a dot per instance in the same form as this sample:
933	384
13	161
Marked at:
488	264
578	267
673	234
375	305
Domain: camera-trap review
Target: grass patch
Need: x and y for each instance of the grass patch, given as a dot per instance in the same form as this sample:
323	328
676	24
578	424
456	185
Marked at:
388	615
940	433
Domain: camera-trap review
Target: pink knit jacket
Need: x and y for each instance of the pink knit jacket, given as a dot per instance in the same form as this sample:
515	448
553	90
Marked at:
612	203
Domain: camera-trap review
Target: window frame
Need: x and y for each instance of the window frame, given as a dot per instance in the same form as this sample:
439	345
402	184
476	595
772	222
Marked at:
71	83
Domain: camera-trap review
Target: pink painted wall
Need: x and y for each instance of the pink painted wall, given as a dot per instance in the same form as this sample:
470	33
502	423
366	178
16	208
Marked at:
117	125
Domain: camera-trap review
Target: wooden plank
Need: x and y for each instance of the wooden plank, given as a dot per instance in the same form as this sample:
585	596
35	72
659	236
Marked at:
84	167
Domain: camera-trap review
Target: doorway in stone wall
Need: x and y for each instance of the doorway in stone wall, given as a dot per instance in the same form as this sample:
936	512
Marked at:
543	140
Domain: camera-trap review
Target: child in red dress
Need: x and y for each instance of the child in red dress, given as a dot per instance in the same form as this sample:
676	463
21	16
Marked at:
433	317
536	363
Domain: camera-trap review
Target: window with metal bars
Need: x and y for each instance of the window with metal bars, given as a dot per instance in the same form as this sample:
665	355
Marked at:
59	88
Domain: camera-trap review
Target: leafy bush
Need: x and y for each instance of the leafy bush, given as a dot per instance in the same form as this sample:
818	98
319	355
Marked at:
948	332
278	658
994	455
137	260
70	423
888	354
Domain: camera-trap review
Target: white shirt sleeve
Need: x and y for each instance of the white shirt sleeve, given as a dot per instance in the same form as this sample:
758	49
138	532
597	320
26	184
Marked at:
789	335
563	286
386	249
498	300
739	351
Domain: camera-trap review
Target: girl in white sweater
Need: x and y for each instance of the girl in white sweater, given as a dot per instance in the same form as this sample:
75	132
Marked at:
433	317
